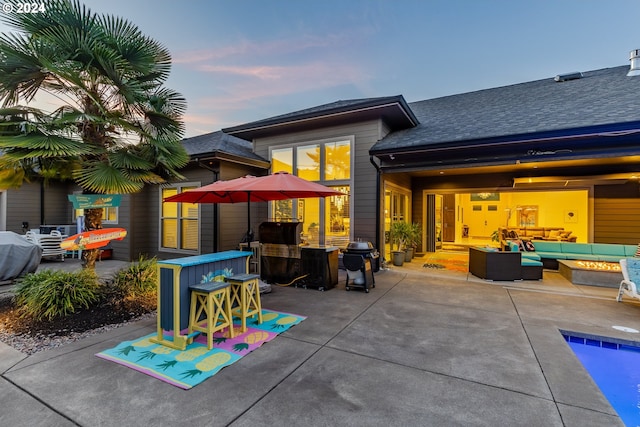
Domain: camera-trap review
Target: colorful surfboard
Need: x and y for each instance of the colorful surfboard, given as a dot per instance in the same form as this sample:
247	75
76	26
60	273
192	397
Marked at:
93	239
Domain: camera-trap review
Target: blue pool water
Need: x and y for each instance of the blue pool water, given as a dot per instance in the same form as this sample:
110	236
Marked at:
615	368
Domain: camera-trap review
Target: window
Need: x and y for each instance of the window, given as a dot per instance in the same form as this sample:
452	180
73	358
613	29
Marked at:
179	222
282	160
328	162
338	160
110	215
308	162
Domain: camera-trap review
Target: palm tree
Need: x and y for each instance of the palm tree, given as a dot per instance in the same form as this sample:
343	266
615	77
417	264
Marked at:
116	129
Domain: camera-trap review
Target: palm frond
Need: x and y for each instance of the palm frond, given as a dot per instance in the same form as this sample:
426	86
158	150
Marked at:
34	145
146	177
125	158
103	178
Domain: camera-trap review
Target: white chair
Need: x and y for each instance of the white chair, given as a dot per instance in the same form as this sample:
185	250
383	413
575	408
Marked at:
630	274
50	244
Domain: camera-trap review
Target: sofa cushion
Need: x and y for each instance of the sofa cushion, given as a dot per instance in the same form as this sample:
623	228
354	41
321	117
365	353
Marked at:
609	258
530	262
554	234
515	245
631	250
607	249
531	255
544	246
584	257
552	255
576	248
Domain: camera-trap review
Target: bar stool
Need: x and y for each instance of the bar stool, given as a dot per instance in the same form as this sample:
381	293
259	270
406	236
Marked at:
212	299
245	297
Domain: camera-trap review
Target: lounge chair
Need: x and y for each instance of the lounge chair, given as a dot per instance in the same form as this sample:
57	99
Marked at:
631	275
50	244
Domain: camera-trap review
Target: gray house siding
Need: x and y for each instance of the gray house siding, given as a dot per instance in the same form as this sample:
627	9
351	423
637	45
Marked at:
615	214
122	248
364	173
24	204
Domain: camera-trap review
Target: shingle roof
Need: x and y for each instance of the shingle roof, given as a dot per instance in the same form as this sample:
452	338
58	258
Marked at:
399	116
219	142
600	97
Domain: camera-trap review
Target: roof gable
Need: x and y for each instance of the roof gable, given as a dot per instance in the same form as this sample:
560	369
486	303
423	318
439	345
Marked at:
392	109
216	143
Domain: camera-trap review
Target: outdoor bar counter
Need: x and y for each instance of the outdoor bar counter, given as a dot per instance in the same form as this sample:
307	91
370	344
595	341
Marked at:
174	278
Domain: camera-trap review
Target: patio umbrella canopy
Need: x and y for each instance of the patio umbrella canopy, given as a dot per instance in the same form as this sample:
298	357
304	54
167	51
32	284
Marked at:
278	186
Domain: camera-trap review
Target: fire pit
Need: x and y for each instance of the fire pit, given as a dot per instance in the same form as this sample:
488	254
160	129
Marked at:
594	273
598	265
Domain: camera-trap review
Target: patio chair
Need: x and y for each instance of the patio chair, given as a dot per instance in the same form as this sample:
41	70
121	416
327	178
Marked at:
631	275
50	244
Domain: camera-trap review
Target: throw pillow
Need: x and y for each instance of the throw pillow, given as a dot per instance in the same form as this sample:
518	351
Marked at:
517	245
565	234
514	245
637	251
529	247
554	234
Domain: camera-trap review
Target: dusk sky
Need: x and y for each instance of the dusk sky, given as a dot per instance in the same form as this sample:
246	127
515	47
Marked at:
245	60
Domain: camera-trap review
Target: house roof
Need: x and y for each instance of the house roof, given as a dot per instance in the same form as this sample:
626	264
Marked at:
600	97
220	145
394	110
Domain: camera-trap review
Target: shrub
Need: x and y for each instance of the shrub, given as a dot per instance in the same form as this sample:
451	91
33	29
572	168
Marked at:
139	279
51	293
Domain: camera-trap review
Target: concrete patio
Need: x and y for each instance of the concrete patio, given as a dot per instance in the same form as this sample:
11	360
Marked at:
424	347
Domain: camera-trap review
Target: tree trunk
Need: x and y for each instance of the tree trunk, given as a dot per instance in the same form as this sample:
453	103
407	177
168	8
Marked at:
92	221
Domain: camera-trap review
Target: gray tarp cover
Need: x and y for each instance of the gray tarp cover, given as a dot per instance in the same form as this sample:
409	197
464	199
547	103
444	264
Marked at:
17	255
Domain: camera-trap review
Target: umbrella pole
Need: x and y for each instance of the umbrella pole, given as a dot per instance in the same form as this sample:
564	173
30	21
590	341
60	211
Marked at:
249	235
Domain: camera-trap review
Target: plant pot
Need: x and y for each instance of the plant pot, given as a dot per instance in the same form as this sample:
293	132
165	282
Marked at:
408	254
398	258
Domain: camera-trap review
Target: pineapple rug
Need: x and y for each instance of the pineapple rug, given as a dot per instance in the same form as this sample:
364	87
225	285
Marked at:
188	368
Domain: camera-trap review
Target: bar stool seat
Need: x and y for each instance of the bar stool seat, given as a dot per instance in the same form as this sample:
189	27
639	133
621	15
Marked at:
245	297
213	300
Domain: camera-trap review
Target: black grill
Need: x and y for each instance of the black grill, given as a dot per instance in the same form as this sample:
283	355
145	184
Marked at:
366	249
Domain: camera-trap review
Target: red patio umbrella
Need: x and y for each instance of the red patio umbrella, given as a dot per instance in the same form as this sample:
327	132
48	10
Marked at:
278	186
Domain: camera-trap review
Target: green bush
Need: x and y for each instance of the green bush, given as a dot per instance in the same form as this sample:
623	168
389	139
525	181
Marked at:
51	293
139	279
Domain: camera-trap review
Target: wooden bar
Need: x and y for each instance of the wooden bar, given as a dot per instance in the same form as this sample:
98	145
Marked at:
174	278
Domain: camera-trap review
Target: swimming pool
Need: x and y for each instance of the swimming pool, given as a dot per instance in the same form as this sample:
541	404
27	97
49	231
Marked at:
614	365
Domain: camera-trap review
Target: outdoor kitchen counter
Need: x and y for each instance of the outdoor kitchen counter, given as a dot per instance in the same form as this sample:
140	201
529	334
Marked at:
174	278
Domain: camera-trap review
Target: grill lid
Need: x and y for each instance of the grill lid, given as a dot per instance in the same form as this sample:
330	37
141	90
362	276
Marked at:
360	246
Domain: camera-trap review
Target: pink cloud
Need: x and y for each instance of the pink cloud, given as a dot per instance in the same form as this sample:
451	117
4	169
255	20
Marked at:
246	48
279	81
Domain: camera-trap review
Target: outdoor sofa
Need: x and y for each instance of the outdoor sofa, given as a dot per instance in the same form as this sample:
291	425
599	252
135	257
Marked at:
550	252
492	264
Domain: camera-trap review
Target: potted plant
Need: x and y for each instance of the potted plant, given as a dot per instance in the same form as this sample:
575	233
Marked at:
399	235
413	240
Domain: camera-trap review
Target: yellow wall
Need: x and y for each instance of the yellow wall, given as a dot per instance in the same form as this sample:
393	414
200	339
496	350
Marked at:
553	209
